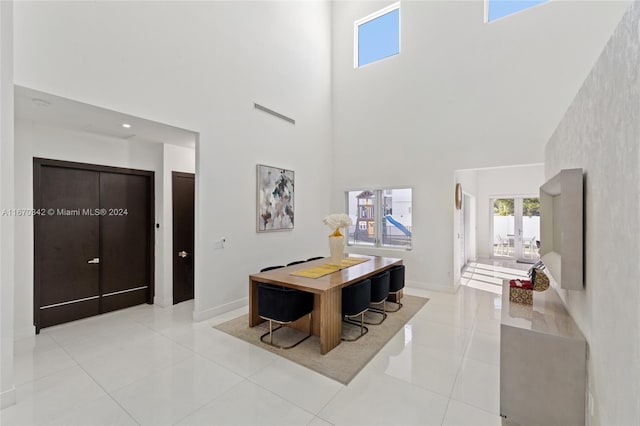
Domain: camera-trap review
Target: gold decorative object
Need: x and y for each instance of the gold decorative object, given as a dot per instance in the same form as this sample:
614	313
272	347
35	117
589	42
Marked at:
541	282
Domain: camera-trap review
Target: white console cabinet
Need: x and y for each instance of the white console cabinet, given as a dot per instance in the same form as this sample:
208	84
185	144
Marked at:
542	362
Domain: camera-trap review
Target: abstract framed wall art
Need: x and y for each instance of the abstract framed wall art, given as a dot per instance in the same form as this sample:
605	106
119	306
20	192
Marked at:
275	200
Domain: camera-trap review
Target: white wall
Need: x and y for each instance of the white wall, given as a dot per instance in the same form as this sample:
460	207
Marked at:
470	206
520	181
600	133
201	66
36	140
7	389
461	94
468	180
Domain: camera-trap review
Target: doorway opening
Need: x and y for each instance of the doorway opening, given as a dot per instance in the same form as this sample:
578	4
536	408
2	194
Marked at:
511	191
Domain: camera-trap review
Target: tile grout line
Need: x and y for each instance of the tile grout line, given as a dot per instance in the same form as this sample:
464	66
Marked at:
209	402
244	379
211	360
473	329
34	379
334	396
171	366
291	402
100	386
462	359
369	362
110	394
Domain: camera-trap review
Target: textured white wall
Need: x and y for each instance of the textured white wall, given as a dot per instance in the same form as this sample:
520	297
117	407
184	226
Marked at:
461	94
201	66
601	134
7	389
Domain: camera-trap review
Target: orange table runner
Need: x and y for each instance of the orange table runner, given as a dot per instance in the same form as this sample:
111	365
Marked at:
326	269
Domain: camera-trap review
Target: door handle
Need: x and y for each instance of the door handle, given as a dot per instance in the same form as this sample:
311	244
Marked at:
94	260
183	254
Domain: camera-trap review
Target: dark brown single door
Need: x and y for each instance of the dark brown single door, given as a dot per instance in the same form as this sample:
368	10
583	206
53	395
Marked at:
125	203
67	247
183	190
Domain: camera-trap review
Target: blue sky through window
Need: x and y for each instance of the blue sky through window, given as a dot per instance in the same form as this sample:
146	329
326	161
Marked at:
499	8
379	38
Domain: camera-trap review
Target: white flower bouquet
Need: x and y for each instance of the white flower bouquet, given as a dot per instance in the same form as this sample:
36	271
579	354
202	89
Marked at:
337	221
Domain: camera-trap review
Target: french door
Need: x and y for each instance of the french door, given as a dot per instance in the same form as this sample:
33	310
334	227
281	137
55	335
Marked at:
515	227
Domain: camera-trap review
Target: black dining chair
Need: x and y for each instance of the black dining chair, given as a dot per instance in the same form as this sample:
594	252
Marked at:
379	294
269	268
283	306
295	262
315	258
396	284
355	303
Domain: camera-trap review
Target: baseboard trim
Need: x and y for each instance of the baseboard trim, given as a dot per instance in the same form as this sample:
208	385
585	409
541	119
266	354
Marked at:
434	287
219	310
8	398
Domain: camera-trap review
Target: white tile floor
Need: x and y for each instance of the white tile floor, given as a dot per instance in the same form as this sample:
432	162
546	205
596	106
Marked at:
153	366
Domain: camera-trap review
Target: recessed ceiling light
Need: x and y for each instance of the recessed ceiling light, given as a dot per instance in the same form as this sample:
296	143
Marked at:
40	102
126	125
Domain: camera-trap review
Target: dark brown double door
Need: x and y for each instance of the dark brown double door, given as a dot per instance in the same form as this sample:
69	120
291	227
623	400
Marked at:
93	240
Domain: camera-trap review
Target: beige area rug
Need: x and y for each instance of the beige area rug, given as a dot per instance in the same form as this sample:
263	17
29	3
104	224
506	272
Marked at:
343	362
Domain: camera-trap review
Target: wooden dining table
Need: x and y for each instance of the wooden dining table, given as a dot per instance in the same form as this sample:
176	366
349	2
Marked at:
327	290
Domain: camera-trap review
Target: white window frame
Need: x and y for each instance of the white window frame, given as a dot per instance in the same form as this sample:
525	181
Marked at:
486	11
378	205
371	17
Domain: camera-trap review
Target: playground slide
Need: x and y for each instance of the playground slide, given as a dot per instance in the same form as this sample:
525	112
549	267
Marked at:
398	225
